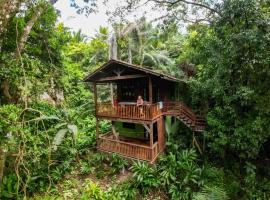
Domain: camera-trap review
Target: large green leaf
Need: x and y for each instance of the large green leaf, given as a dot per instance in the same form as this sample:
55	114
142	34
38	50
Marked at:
59	138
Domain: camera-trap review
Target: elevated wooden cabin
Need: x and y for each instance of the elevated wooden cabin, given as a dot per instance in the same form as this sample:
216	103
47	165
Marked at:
137	131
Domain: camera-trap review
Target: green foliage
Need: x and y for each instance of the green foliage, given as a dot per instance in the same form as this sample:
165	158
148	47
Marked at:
147	45
42	140
254	187
9	115
171	127
117	163
232	80
211	192
85	168
180	174
92	191
70	128
122	191
107	165
40	162
9	187
145	177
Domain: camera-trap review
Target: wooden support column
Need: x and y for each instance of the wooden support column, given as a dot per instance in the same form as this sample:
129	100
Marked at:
97	120
151	135
150	90
152	141
97	130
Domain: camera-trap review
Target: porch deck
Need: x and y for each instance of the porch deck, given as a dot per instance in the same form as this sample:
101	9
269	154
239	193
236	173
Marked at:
131	148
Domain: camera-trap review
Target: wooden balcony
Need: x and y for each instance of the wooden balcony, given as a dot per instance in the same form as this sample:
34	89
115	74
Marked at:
129	111
150	112
135	150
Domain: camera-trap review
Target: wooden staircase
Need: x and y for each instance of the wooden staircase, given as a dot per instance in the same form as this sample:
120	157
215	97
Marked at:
185	115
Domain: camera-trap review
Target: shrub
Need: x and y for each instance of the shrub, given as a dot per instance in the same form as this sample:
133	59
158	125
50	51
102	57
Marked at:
180	174
145	177
123	191
117	163
91	191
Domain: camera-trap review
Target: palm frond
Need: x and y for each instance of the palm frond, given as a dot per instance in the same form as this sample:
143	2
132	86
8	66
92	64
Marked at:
58	138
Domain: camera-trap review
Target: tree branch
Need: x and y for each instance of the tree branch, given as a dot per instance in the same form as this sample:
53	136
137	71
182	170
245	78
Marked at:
39	10
8	9
172	3
27	29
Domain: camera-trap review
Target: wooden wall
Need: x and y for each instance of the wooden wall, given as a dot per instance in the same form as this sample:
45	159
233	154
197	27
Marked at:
162	90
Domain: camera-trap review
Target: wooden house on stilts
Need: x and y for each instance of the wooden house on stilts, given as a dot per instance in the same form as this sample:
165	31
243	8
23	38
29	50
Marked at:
138	131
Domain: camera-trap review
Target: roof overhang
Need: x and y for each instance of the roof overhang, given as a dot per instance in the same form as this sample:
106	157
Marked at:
96	76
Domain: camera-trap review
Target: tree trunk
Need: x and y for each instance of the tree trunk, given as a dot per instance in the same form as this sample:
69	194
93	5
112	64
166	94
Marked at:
8	9
113	48
27	29
129	52
39	10
2	165
5	89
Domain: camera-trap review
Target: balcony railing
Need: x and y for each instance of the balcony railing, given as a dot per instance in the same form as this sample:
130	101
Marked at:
151	112
128	149
144	112
185	114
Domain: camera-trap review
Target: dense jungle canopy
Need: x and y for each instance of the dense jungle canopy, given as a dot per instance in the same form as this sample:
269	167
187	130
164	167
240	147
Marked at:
47	123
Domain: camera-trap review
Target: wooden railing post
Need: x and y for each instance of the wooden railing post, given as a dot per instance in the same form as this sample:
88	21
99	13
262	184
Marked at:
97	130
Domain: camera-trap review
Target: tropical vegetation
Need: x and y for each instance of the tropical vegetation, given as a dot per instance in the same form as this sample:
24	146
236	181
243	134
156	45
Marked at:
47	124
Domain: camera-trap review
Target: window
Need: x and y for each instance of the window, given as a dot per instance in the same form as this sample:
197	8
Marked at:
128	92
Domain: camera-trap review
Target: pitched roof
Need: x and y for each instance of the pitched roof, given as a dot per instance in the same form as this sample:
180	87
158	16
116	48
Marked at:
91	76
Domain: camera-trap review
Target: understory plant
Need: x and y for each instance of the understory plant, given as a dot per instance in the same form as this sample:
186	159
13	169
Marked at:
38	149
125	190
145	177
180	173
92	191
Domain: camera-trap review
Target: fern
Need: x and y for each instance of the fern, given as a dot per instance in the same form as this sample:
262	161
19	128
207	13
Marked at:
211	193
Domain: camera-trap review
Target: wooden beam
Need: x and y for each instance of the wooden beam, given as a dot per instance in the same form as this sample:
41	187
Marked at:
150	90
136	121
147	128
114	78
118	72
114	132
